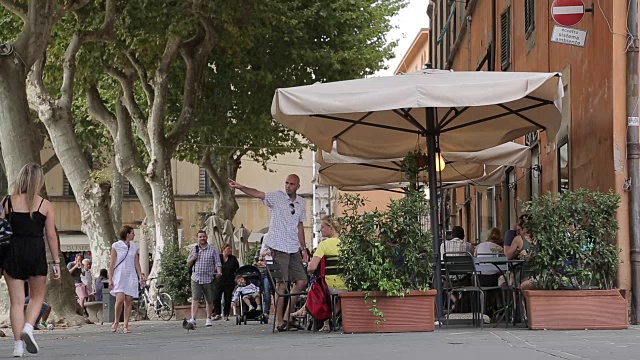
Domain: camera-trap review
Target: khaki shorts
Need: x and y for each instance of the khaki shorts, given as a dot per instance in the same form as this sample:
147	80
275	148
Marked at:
197	290
291	265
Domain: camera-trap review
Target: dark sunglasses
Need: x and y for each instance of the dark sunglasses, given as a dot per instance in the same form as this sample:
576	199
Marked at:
293	209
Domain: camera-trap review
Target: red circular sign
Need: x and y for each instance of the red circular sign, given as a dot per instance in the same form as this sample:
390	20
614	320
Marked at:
567	12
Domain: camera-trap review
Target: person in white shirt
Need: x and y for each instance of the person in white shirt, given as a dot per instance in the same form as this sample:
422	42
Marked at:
456	244
286	238
87	278
490	248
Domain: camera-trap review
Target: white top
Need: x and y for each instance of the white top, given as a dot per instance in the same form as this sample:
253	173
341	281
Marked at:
285	217
488	249
455	245
87	279
125	277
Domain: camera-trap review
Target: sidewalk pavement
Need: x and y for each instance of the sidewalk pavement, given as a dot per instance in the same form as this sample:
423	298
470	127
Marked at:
225	340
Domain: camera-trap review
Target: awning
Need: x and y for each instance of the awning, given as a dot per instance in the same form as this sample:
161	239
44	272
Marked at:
74	243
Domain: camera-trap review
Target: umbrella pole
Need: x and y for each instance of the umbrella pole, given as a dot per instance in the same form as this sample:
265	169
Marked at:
431	166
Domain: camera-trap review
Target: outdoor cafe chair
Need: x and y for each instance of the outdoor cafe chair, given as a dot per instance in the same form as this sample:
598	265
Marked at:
274	272
457	264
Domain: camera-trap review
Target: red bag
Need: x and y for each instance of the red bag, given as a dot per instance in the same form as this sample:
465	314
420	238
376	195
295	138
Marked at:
318	297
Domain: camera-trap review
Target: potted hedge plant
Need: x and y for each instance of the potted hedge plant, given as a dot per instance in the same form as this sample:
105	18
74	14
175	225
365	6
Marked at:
574	261
174	275
385	255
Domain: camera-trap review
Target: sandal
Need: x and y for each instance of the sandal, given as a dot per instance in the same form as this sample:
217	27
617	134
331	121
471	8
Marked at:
300	313
282	328
126	330
325	328
114	327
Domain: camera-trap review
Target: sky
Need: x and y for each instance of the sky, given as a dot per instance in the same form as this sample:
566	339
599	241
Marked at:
408	23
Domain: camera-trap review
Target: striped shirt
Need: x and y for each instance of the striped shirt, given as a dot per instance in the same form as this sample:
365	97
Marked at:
285	215
244	290
455	245
207	264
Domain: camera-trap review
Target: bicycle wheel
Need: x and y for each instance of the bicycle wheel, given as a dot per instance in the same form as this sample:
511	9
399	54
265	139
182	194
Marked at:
166	309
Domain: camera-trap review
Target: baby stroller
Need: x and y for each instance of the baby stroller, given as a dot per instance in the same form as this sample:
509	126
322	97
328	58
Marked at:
251	275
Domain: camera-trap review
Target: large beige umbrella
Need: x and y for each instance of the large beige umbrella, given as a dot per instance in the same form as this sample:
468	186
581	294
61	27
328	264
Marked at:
347	171
386	117
214	226
227	235
241	239
435	110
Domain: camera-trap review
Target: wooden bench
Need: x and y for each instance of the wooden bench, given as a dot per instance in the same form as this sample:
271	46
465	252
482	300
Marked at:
94	310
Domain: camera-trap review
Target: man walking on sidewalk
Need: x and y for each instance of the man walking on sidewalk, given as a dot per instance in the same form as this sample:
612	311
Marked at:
286	236
206	267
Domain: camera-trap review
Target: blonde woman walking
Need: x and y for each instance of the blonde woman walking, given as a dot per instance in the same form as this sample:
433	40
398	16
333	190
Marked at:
125	276
31	217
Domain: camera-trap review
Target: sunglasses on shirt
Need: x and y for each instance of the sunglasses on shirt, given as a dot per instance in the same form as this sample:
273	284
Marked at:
293	209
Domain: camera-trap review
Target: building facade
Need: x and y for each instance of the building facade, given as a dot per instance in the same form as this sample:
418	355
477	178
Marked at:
590	149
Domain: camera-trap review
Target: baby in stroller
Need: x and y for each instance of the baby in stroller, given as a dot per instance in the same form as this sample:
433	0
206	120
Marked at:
248	293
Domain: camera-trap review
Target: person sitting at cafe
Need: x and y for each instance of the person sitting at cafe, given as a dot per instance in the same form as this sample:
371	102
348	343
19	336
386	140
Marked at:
457	244
490	248
520	248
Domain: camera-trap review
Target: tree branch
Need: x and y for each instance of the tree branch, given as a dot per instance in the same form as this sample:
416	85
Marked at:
195	53
144	78
106	32
37	94
128	98
50	163
19	10
155	125
207	165
97	109
36	32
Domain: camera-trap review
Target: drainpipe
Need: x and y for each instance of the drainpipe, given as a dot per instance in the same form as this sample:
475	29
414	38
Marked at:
633	156
314	210
492	58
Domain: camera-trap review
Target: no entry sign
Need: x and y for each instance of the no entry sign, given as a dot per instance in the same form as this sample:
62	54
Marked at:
567	12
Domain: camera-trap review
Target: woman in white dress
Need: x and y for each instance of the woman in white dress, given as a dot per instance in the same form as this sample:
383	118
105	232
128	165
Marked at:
124	276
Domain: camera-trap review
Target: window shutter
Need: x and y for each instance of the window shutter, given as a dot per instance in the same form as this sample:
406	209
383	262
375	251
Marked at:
505	39
529	17
125	186
203	181
66	187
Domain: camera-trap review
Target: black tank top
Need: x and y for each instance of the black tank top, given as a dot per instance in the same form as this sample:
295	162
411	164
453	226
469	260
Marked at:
23	225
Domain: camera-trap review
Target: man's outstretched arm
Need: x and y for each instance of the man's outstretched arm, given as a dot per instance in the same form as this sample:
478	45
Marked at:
247	190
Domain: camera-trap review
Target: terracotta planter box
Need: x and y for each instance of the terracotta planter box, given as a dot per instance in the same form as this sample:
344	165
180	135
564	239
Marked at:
413	312
184	312
577	309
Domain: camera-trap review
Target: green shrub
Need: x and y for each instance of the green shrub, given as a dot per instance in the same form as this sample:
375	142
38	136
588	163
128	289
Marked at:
251	254
174	275
574	245
386	250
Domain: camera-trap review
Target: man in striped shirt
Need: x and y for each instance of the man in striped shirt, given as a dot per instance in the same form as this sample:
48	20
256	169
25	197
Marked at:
206	268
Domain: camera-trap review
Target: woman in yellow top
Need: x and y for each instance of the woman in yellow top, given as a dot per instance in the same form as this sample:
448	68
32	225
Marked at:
329	247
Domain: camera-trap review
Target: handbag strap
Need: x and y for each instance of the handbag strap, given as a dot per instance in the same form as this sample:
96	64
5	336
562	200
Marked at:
7	201
123	259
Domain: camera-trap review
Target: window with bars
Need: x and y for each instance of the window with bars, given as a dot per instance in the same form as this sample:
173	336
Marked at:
529	17
127	188
505	39
66	187
205	183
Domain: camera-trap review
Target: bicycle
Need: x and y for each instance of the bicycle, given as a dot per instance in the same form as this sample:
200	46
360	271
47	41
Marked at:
162	307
